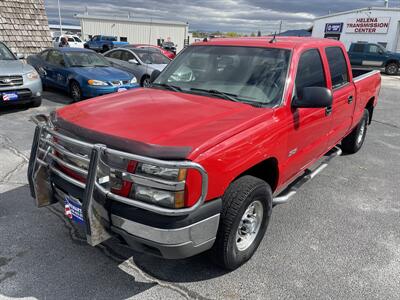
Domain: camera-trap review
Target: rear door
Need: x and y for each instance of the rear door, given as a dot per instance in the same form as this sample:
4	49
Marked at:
343	94
308	138
356	54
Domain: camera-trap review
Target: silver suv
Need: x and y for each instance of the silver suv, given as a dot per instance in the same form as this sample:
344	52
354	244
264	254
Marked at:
19	82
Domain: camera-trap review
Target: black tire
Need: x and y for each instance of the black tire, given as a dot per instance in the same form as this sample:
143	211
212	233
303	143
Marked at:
37	102
145	82
75	91
105	48
237	199
392	68
354	141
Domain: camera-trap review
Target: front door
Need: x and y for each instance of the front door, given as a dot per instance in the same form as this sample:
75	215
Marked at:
374	56
308	137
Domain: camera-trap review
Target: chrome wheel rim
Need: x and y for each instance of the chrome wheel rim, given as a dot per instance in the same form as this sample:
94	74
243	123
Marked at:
392	69
361	133
249	225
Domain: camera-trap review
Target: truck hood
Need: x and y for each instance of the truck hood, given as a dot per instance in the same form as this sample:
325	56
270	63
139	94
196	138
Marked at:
158	123
13	67
102	73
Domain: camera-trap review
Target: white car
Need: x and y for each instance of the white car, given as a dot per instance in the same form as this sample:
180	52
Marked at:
73	41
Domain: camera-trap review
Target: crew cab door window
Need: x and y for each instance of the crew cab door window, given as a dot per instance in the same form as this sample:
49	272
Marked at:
310	72
337	66
373	49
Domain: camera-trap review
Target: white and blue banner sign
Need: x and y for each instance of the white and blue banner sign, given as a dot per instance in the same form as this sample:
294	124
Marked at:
333	27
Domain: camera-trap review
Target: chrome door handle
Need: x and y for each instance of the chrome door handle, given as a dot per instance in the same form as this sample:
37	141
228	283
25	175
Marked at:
350	99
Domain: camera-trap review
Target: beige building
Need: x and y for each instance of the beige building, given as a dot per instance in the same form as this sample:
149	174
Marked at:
24	26
135	30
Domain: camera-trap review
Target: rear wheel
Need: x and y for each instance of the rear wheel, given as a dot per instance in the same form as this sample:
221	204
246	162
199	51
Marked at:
247	206
392	69
354	141
75	91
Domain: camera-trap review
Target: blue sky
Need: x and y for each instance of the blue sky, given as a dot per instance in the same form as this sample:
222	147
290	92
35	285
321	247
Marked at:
229	15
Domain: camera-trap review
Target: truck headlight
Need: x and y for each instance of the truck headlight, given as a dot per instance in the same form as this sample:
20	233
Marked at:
162	172
134	80
97	82
159	197
32	75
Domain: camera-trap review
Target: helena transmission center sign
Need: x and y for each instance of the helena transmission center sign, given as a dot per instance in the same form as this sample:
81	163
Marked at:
368	25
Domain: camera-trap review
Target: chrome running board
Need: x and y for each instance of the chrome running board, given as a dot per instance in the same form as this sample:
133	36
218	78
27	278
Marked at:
291	190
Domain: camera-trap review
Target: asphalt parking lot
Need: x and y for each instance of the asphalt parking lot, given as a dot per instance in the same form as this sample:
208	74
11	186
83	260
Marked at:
339	237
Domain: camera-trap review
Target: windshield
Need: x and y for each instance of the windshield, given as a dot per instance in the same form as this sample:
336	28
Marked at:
86	59
246	74
5	54
151	57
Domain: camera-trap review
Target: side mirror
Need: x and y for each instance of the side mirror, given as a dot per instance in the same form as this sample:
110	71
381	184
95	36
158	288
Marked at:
62	63
154	75
313	97
380	51
20	56
133	61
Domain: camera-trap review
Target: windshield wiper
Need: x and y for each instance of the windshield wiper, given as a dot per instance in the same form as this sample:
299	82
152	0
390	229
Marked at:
100	65
168	86
226	96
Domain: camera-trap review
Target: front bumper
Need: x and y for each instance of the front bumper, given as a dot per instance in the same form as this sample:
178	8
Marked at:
28	92
90	91
169	233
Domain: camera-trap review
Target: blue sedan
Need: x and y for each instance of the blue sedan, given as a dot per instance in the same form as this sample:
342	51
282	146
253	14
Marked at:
81	72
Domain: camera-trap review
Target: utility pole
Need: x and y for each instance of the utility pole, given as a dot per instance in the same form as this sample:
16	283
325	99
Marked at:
59	16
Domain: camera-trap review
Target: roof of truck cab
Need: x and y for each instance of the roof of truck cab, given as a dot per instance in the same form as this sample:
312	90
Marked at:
288	42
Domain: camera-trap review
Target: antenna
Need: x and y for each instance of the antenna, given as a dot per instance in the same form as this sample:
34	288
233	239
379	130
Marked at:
273	40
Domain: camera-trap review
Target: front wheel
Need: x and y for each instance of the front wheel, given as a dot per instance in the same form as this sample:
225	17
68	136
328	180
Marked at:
247	206
392	69
146	81
354	141
75	91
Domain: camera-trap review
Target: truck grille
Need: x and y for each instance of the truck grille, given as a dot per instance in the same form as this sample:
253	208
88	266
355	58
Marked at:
12	80
92	168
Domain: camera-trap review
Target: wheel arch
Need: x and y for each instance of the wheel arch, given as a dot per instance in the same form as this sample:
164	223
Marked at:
266	170
392	60
370	108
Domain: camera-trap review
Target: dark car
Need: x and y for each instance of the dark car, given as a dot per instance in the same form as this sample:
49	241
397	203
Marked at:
375	56
81	72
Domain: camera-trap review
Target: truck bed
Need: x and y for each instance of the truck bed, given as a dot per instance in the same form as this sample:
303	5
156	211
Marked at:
361	72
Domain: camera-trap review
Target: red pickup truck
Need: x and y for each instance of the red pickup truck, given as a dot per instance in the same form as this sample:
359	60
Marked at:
197	161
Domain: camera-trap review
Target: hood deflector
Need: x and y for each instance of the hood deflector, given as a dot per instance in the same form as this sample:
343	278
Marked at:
131	146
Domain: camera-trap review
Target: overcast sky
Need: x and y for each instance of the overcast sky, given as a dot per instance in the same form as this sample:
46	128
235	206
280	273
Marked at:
224	15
